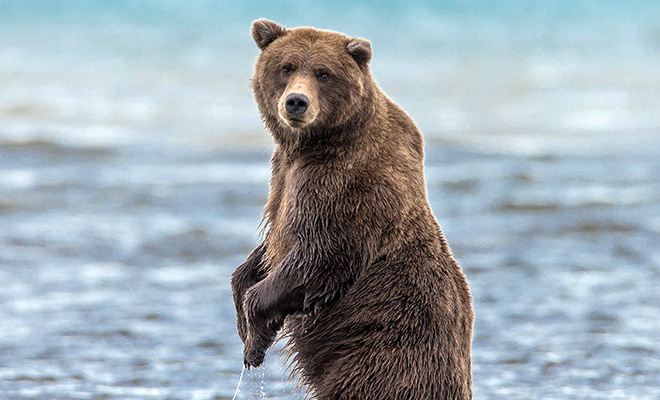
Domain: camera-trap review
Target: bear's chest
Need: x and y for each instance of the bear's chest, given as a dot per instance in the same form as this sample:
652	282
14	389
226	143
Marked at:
281	234
306	194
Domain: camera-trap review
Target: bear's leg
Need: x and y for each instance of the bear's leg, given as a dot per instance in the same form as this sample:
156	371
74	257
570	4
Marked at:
266	305
244	277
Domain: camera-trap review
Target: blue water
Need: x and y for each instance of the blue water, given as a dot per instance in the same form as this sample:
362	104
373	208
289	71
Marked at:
134	168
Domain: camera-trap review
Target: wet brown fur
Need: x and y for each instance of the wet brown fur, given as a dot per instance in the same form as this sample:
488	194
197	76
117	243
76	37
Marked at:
353	266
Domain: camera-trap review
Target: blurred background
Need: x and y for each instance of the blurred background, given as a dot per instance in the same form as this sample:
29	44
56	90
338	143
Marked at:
134	168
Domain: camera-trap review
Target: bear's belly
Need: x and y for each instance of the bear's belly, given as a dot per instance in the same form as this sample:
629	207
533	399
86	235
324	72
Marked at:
388	332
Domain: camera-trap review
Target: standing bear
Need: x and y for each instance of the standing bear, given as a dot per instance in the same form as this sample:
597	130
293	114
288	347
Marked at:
353	266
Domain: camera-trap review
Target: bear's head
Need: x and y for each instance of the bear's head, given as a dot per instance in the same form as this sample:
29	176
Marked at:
307	80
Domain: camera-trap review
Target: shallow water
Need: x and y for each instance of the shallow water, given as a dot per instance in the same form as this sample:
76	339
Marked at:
133	172
115	270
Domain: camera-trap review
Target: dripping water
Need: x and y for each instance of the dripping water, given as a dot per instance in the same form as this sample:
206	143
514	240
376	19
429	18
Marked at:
252	395
238	387
261	389
257	392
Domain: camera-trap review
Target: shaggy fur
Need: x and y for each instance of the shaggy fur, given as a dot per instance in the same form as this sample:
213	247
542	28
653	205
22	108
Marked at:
353	266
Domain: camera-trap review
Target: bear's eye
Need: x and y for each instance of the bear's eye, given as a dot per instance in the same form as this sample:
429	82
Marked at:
323	76
287	70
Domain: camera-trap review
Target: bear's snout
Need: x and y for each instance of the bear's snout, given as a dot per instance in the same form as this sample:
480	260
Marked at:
296	104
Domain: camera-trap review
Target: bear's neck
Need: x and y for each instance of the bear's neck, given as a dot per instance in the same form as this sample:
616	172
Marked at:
321	143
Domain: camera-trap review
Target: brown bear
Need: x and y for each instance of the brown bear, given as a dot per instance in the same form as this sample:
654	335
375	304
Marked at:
353	266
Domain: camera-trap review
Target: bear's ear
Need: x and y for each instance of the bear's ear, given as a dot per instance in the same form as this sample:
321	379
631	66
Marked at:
265	32
360	49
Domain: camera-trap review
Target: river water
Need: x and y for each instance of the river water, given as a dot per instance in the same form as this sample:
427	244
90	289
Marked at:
134	168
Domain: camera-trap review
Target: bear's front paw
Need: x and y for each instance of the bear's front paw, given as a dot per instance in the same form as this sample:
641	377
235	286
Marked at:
259	339
253	356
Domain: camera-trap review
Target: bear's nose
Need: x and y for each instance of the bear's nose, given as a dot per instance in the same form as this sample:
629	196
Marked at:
296	103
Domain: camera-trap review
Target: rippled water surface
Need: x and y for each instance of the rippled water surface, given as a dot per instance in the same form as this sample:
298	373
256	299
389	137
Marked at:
134	169
116	264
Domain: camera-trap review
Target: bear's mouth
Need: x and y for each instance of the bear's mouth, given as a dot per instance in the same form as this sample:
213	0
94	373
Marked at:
295	122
